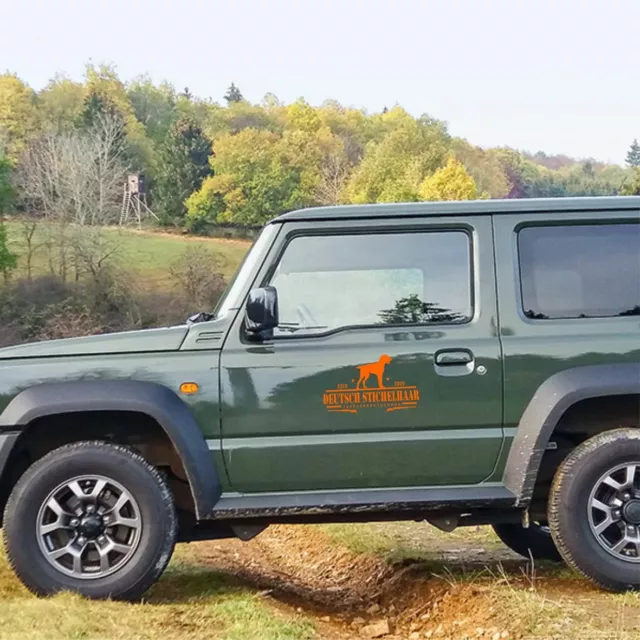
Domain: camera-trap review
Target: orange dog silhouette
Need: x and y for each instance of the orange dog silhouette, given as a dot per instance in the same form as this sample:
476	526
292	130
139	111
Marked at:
373	368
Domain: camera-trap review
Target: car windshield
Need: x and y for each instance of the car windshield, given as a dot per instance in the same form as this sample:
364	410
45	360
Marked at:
234	294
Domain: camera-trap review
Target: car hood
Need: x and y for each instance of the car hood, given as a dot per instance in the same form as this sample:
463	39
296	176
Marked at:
144	341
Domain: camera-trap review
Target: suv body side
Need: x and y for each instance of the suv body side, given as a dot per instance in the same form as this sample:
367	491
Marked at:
261	423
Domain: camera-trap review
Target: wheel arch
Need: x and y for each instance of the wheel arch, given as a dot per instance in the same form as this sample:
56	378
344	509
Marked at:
155	401
553	399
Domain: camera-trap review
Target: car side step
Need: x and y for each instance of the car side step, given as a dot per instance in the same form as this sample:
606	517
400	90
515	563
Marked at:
396	500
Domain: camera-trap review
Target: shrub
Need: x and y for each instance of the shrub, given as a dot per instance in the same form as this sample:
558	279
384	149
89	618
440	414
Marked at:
197	279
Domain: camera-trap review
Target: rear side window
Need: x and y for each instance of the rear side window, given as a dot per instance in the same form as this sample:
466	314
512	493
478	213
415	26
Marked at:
330	282
582	271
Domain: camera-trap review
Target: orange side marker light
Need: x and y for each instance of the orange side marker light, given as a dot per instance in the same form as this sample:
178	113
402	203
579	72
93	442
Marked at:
189	388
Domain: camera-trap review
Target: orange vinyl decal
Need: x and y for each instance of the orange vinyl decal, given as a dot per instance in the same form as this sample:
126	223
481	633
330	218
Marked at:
346	399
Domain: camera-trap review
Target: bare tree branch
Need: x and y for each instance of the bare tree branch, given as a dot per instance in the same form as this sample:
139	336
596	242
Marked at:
73	181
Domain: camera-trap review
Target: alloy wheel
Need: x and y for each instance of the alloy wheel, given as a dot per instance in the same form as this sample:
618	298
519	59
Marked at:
614	511
89	527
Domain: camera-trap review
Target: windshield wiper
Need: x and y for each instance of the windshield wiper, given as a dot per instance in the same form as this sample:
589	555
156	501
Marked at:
292	327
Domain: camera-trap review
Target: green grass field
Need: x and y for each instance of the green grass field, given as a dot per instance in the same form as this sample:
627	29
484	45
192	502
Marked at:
146	254
189	602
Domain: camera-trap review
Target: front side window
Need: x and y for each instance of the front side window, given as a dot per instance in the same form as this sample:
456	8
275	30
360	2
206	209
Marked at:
330	282
582	271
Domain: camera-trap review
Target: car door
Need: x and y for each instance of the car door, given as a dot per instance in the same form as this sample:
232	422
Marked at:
385	368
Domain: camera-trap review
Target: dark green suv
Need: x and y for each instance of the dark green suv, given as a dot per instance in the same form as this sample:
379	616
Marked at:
460	363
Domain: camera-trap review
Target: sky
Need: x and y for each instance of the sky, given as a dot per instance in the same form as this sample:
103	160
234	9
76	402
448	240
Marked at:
560	76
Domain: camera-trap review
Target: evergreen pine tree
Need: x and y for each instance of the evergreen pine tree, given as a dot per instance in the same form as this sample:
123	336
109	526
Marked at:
233	94
96	104
183	165
633	156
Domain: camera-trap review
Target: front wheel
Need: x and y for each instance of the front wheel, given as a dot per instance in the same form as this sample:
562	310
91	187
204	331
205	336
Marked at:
533	542
594	509
90	517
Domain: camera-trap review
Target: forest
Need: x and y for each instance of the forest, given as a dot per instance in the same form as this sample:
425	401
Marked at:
208	163
66	151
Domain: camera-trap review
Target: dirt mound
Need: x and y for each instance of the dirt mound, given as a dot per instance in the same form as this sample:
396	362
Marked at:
300	563
351	594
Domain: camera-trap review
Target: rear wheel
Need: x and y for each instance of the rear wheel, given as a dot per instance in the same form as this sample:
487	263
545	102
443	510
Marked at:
533	542
90	517
594	509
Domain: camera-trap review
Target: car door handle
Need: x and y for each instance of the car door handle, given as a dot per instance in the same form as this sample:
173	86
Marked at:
453	357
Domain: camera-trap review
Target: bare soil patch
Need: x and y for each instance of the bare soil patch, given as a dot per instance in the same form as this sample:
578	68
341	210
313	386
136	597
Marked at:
422	584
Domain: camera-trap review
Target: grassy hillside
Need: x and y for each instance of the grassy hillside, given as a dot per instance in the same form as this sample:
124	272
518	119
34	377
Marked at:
146	254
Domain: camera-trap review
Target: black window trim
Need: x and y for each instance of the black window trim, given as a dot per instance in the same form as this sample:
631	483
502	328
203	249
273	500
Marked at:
555	222
468	230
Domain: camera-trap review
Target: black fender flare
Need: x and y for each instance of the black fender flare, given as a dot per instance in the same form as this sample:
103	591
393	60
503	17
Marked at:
154	400
551	400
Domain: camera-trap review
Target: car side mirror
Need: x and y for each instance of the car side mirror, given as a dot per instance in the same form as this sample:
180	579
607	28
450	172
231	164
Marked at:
261	310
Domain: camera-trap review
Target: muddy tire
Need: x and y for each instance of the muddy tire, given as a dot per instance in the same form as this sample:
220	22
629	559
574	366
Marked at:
93	518
594	509
533	542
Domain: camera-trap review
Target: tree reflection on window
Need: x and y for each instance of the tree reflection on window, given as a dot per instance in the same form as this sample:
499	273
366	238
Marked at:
535	316
412	310
634	311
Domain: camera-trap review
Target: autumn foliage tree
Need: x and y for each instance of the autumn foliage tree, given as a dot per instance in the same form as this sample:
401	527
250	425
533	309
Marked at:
18	115
404	151
259	173
451	182
254	180
106	95
631	186
60	104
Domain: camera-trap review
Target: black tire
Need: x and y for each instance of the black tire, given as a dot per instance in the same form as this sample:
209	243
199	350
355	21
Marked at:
571	510
533	542
154	533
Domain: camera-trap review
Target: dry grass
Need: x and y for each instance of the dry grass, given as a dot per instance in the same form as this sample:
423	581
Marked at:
190	601
571	611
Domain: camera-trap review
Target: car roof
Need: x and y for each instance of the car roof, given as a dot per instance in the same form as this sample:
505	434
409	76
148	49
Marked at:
466	207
